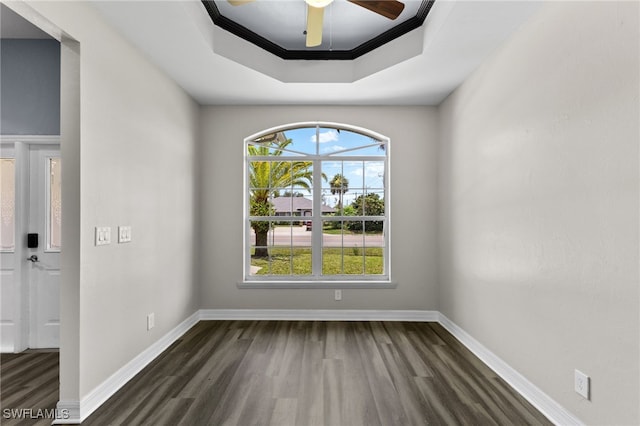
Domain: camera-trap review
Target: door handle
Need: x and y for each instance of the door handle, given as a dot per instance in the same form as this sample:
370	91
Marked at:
33	258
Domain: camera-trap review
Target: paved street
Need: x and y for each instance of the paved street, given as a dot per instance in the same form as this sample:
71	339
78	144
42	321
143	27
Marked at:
298	236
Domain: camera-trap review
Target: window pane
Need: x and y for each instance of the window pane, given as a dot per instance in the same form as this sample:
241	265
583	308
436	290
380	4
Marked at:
329	141
292	205
373	204
267	145
273	184
7	204
369	204
303	141
294	142
374	174
332	261
332	256
291	176
259	175
374	261
342	249
260	250
55	204
280	248
327	210
374	251
344	143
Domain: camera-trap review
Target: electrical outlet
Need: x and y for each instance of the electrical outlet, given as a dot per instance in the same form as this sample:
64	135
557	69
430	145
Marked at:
338	295
151	321
581	383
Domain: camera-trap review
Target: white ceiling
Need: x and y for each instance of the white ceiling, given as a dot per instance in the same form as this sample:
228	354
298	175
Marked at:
217	68
15	26
180	38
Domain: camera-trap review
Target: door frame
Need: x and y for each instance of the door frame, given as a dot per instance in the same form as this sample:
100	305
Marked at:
22	144
70	146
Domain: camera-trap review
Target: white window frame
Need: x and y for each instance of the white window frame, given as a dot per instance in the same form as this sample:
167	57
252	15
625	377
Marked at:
47	195
7	152
317	280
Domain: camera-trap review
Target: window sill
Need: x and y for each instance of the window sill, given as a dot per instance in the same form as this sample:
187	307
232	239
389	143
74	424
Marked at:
317	284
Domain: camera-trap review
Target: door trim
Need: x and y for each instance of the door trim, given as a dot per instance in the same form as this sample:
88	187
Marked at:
22	144
31	139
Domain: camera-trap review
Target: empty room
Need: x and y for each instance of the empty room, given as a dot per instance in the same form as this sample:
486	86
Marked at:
320	212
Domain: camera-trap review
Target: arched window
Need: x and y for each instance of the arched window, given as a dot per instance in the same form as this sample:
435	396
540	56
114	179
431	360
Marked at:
316	205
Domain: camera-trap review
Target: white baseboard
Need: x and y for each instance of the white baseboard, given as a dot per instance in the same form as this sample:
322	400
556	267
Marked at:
67	412
76	411
79	411
317	315
543	402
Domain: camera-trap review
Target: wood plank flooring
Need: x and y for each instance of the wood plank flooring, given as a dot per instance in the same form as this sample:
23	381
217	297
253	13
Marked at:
28	381
307	373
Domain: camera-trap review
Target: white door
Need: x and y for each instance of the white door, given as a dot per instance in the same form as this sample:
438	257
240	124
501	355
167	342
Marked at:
43	262
9	279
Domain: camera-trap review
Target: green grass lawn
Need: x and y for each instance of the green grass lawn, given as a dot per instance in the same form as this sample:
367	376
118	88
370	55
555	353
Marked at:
297	261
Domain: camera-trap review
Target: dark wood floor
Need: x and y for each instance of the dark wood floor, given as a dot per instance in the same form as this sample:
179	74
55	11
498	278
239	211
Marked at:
28	381
311	373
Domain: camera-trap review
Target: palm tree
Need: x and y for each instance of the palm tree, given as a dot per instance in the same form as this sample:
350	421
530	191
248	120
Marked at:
267	177
339	185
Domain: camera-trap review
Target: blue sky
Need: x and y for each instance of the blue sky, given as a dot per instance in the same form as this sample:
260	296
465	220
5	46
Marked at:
363	177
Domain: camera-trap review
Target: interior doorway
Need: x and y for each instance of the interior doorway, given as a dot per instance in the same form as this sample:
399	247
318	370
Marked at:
31	242
69	140
31	102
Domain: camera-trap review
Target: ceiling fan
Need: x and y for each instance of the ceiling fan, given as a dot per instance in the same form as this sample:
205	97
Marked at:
315	14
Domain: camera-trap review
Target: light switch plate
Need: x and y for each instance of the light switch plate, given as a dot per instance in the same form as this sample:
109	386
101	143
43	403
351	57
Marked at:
124	234
103	235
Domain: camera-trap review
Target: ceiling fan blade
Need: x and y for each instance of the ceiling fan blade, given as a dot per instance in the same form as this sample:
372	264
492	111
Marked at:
315	17
388	8
239	2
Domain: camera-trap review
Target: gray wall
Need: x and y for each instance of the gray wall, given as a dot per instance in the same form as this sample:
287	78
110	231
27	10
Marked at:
135	165
539	195
413	133
30	87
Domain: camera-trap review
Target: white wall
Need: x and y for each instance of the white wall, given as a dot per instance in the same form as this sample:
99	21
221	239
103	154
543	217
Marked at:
413	133
538	204
137	166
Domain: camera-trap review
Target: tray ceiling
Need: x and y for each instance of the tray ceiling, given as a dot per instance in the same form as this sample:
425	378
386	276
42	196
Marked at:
349	30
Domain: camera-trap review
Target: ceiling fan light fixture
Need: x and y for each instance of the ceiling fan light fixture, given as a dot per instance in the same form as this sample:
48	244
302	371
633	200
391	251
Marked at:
318	3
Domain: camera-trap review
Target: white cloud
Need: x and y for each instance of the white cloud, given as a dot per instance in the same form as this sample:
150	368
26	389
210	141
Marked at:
332	148
324	137
373	174
375	169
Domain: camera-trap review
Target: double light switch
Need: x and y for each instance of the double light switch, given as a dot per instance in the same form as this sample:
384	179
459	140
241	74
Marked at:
103	235
124	234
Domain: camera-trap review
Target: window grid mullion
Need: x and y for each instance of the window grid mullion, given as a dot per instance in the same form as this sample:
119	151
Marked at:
342	227
364	213
316	220
316	212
